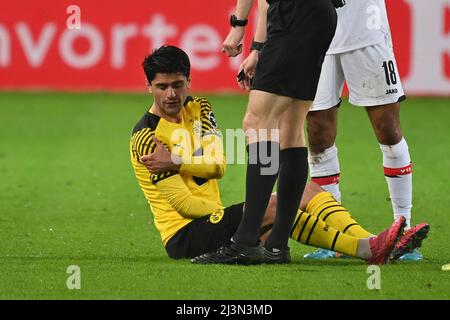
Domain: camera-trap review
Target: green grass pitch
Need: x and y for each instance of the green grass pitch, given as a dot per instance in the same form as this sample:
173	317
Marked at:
68	197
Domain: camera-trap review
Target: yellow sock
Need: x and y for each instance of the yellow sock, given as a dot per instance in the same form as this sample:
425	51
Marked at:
326	208
311	231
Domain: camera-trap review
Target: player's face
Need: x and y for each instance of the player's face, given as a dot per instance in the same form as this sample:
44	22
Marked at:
170	91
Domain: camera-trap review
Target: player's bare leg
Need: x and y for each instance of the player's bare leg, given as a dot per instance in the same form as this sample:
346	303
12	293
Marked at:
385	121
323	159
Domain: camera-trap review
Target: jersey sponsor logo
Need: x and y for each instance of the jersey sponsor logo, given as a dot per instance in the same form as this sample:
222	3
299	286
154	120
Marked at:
391	91
217	216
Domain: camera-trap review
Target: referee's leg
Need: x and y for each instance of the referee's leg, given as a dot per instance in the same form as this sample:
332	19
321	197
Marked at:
293	172
263	113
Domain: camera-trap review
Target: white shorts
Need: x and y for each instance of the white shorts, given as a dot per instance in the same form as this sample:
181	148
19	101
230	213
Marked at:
371	74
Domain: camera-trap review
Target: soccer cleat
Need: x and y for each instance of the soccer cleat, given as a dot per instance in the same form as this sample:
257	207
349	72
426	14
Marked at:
384	243
413	256
410	240
321	254
233	253
276	257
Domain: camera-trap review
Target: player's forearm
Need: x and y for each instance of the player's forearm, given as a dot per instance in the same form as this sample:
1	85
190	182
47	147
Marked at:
204	170
210	165
175	191
194	207
243	8
261	26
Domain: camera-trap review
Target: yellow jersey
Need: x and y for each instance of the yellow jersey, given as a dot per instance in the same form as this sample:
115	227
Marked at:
177	197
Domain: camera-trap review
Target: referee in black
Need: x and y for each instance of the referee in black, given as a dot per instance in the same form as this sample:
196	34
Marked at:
299	33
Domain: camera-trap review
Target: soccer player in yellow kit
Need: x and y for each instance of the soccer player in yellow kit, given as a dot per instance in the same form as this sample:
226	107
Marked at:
177	155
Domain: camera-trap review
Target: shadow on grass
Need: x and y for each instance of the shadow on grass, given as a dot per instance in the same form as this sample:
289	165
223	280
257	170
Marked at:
331	262
143	259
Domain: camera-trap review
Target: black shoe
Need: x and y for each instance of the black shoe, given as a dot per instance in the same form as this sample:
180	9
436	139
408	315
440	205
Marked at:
278	256
233	253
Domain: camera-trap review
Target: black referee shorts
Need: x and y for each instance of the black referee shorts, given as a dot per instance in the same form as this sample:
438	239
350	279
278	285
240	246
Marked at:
205	234
299	33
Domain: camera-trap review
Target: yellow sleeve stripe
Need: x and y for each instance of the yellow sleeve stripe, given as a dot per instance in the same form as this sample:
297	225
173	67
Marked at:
207	126
138	135
142	143
138	138
205	109
147	143
133	151
155	178
201	100
142	138
133	146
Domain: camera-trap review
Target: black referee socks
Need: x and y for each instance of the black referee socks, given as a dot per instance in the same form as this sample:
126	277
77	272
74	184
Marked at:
262	172
292	178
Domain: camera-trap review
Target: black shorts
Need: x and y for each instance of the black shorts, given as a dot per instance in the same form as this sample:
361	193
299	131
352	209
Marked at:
205	234
299	33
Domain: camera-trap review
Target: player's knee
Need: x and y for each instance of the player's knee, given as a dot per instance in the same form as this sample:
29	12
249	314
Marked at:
250	122
254	121
320	138
321	132
388	133
386	123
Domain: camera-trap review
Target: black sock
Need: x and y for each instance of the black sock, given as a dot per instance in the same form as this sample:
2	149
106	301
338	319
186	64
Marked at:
291	184
262	171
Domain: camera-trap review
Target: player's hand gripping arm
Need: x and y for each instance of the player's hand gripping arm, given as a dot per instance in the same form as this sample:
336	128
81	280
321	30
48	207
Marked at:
161	160
210	165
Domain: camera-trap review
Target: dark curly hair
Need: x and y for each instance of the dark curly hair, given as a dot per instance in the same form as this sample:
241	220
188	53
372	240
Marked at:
166	59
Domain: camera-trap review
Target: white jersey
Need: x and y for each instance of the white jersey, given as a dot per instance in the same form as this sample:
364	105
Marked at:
361	23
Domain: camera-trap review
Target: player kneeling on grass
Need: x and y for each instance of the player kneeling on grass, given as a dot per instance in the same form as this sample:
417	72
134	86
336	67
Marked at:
177	155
